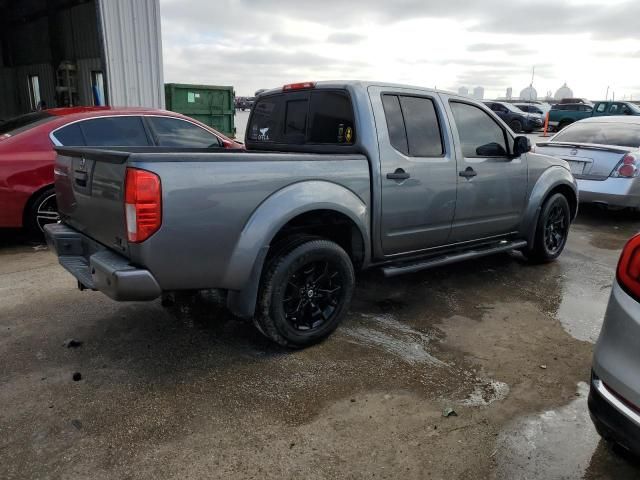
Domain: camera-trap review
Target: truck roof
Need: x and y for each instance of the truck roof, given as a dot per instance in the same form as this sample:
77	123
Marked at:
357	83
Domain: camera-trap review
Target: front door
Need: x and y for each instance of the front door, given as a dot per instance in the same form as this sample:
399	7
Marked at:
492	185
418	171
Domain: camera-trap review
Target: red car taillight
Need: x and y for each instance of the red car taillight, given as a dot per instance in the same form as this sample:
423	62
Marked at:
628	272
142	203
627	168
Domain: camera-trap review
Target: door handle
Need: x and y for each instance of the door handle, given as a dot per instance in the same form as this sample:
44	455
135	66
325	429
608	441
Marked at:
399	174
81	178
468	173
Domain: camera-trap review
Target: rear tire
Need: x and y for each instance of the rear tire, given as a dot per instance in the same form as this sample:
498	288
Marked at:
306	291
42	210
552	230
563	124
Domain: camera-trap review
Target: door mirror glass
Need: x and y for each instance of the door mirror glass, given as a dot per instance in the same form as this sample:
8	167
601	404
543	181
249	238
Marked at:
521	144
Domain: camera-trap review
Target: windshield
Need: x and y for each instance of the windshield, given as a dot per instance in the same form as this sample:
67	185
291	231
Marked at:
16	125
619	134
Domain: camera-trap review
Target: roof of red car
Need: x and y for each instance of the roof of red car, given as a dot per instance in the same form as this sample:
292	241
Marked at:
75	110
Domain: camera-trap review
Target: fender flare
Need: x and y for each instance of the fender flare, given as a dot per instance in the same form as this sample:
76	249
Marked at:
552	178
244	269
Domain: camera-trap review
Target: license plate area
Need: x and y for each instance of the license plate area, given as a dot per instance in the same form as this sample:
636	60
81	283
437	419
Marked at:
577	168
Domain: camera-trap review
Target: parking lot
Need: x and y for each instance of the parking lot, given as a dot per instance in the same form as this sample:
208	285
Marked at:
188	391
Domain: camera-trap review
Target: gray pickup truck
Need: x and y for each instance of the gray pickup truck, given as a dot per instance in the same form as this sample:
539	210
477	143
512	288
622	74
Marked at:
337	177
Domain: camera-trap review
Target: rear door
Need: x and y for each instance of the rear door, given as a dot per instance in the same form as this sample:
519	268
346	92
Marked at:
491	185
418	182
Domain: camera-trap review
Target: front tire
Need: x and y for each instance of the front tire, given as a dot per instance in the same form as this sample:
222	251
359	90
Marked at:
516	126
43	209
305	293
552	230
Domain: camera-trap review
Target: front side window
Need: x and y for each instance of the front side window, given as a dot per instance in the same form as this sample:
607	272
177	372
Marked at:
175	132
601	108
614	108
114	132
480	135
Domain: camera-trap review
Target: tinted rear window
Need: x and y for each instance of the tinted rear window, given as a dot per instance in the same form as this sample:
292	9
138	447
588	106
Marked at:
619	134
24	122
322	117
115	132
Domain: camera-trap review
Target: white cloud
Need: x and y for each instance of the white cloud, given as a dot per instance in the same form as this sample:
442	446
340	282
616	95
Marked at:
253	44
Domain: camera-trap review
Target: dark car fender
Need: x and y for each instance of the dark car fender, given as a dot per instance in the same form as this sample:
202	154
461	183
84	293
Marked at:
244	269
554	179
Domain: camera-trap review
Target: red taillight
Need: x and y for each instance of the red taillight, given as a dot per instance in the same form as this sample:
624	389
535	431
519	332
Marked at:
628	272
298	86
627	168
142	203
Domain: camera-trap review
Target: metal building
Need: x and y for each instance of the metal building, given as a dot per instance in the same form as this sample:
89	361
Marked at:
56	53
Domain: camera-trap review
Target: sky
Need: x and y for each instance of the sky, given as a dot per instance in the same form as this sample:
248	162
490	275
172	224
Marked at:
253	44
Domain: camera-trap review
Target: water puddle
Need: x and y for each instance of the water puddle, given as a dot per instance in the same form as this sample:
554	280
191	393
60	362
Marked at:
554	444
394	337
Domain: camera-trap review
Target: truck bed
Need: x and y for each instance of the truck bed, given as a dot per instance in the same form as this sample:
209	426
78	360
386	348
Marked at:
208	203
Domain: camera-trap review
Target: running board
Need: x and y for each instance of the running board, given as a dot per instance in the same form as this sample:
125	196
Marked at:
415	266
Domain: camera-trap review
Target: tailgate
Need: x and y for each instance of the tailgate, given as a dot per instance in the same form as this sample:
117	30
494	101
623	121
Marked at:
90	193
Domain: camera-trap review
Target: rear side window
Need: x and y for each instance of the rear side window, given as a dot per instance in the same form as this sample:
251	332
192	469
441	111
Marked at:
115	132
413	125
395	123
322	117
70	136
174	132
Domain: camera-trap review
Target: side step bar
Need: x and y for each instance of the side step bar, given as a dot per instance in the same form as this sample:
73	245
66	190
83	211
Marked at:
423	264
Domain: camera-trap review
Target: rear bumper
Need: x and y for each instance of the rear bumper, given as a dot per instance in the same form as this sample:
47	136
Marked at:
98	268
619	192
612	418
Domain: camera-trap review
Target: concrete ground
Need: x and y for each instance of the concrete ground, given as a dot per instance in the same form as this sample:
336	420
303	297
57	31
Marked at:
190	392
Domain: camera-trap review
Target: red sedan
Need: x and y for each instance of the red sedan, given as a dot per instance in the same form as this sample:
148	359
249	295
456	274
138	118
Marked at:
27	196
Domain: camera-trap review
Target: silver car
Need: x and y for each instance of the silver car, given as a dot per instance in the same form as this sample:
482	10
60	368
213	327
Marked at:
604	155
614	399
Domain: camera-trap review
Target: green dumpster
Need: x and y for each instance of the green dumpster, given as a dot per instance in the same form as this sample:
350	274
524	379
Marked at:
210	104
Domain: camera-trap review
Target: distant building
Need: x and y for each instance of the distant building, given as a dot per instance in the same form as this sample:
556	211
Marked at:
463	91
509	95
563	92
478	93
529	93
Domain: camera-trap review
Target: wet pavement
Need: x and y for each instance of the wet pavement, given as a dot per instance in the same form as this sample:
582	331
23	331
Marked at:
191	392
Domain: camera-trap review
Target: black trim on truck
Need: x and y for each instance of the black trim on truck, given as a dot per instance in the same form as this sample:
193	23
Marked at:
98	268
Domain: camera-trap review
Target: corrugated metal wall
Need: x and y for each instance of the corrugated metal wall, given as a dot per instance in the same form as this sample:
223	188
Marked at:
133	52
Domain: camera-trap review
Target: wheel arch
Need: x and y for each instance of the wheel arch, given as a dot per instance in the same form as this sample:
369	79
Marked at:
304	207
554	180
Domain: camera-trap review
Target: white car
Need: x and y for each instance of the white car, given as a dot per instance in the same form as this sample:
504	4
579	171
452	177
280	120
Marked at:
604	156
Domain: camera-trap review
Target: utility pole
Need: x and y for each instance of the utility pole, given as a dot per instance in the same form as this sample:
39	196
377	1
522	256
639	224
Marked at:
606	95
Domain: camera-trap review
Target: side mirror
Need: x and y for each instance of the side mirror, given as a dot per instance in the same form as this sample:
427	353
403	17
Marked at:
521	144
